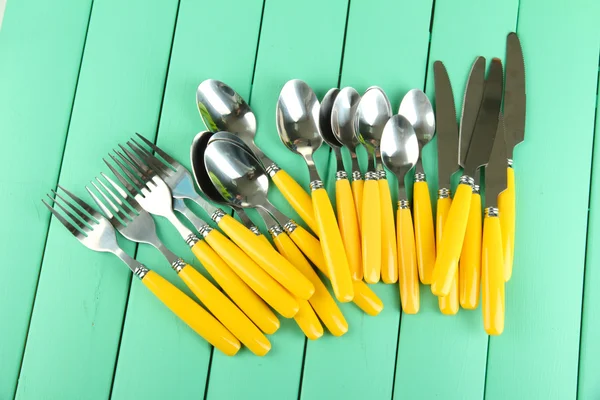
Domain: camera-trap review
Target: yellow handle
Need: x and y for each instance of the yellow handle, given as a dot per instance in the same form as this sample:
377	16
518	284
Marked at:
267	258
389	254
448	253
492	277
348	221
192	314
307	321
298	198
357	194
246	299
448	304
322	302
408	276
264	239
424	236
371	232
255	277
506	205
332	246
364	297
470	257
225	311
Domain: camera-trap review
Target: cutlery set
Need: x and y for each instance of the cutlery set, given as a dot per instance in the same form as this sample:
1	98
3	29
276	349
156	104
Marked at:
460	255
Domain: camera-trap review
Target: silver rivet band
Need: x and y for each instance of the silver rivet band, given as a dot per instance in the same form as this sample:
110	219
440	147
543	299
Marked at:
272	169
204	230
316	184
217	215
510	163
491	212
467	180
403	204
141	271
341	175
356	176
381	174
178	265
370	176
275	230
443	193
476	189
191	240
290	226
420	177
254	230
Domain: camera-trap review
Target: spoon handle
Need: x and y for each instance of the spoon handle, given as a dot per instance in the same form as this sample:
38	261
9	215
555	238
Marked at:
357	191
348	221
389	254
371	229
492	274
448	305
470	257
506	204
246	299
298	198
408	275
308	322
424	236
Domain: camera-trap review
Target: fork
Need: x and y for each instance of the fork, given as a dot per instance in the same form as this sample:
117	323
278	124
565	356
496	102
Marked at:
96	233
155	197
137	225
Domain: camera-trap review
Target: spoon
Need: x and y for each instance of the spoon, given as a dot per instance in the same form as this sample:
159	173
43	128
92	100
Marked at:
364	297
222	109
297	123
346	210
342	125
374	110
416	107
400	152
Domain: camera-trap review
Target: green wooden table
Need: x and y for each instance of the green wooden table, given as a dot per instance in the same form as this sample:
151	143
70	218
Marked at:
77	77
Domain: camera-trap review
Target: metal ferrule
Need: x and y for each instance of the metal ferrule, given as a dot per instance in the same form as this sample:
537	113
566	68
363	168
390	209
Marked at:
443	193
275	230
316	184
420	177
476	189
217	215
491	212
356	176
272	169
371	176
403	204
381	174
192	239
290	226
467	180
255	230
178	265
510	163
141	271
341	175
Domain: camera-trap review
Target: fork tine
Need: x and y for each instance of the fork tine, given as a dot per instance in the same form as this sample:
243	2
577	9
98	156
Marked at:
82	226
154	163
130	201
157	149
77	211
76	232
100	204
122	210
138	184
137	164
83	204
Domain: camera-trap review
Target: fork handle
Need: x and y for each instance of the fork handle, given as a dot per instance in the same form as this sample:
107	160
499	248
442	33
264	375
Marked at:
192	314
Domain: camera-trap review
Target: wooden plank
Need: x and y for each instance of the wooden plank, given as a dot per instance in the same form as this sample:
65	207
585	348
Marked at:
442	356
361	364
78	313
179	122
289	48
40	47
537	356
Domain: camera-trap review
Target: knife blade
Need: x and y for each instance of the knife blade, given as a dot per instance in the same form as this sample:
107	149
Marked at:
471	105
495	171
486	125
447	127
514	96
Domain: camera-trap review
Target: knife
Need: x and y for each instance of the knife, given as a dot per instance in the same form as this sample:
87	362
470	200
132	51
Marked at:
492	264
514	123
447	133
470	256
477	155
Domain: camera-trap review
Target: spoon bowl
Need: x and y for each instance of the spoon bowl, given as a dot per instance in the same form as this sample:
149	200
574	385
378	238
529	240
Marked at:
373	112
198	169
325	118
399	146
417	108
342	118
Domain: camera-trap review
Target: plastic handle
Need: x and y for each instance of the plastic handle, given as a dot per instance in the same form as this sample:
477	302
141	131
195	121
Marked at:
192	314
448	304
246	299
322	302
492	277
332	246
307	321
389	254
506	205
254	276
348	221
357	194
470	258
225	311
267	258
298	198
408	276
371	232
264	239
448	253
424	236
364	297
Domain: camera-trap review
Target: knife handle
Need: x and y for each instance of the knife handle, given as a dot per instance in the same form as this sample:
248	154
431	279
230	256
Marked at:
357	192
424	236
408	276
448	304
389	254
298	198
450	247
348	222
506	205
308	322
470	258
492	274
371	229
